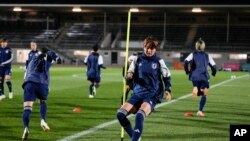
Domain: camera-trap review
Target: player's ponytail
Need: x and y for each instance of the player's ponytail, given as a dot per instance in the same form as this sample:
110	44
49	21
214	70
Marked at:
200	45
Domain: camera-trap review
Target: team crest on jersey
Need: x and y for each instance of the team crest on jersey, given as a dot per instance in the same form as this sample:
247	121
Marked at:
7	51
154	65
140	64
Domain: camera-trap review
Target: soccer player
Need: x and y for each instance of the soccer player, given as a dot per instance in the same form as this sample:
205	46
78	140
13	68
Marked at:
94	62
151	79
36	85
33	52
6	57
195	66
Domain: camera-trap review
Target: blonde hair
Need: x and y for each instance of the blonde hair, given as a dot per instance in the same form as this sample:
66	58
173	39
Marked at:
200	45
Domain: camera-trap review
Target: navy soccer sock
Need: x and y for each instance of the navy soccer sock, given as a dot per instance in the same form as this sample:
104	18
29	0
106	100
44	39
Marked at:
9	84
26	116
1	86
91	88
125	123
202	102
43	109
139	119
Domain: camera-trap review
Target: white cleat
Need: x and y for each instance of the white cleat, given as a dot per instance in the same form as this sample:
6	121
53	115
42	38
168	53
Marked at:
200	114
11	95
25	134
45	126
91	96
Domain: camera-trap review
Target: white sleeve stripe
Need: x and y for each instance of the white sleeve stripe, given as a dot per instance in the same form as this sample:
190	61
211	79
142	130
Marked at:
100	60
86	59
8	61
164	69
132	66
211	60
190	57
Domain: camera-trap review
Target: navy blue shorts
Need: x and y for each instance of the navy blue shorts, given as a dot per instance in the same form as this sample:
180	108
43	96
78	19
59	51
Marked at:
96	80
35	90
201	84
137	100
5	71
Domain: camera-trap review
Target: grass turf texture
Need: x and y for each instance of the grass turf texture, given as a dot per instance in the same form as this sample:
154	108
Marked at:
226	104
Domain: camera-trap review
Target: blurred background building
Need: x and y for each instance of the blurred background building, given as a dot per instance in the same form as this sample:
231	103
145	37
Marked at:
72	28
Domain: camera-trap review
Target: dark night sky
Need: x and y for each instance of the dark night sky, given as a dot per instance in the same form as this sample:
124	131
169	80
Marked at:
202	2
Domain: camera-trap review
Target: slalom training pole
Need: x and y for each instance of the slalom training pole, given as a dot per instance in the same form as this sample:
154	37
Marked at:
126	66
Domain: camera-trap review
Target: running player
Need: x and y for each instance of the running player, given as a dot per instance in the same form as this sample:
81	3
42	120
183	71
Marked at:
94	62
196	67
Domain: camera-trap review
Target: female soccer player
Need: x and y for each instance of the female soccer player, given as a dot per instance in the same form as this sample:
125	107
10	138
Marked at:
147	72
196	67
5	68
36	85
94	62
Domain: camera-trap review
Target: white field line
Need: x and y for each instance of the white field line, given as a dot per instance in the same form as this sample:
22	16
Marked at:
106	124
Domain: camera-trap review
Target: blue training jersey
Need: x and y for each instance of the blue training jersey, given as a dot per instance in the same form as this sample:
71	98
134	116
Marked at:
6	56
94	63
149	74
199	62
31	54
38	68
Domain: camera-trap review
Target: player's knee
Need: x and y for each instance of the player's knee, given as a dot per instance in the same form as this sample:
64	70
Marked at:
27	108
141	113
121	113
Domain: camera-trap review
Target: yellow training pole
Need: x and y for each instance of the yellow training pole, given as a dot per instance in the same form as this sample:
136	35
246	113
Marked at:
126	66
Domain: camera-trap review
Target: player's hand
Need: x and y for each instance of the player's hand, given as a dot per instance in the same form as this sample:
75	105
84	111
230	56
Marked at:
168	96
214	73
59	61
129	75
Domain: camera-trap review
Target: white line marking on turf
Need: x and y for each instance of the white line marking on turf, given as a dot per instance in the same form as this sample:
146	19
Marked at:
106	124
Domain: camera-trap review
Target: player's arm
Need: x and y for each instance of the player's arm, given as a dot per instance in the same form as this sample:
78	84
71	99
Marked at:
9	60
131	69
166	79
86	60
212	65
100	62
186	63
166	75
52	56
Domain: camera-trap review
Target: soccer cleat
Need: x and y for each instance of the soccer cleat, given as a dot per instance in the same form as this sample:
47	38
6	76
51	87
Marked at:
10	95
45	126
25	134
91	96
200	114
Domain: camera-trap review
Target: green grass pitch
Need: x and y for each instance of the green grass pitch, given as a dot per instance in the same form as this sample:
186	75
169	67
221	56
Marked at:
227	103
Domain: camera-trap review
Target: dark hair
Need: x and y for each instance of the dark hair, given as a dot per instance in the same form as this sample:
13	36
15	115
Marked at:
151	42
4	40
95	47
44	50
